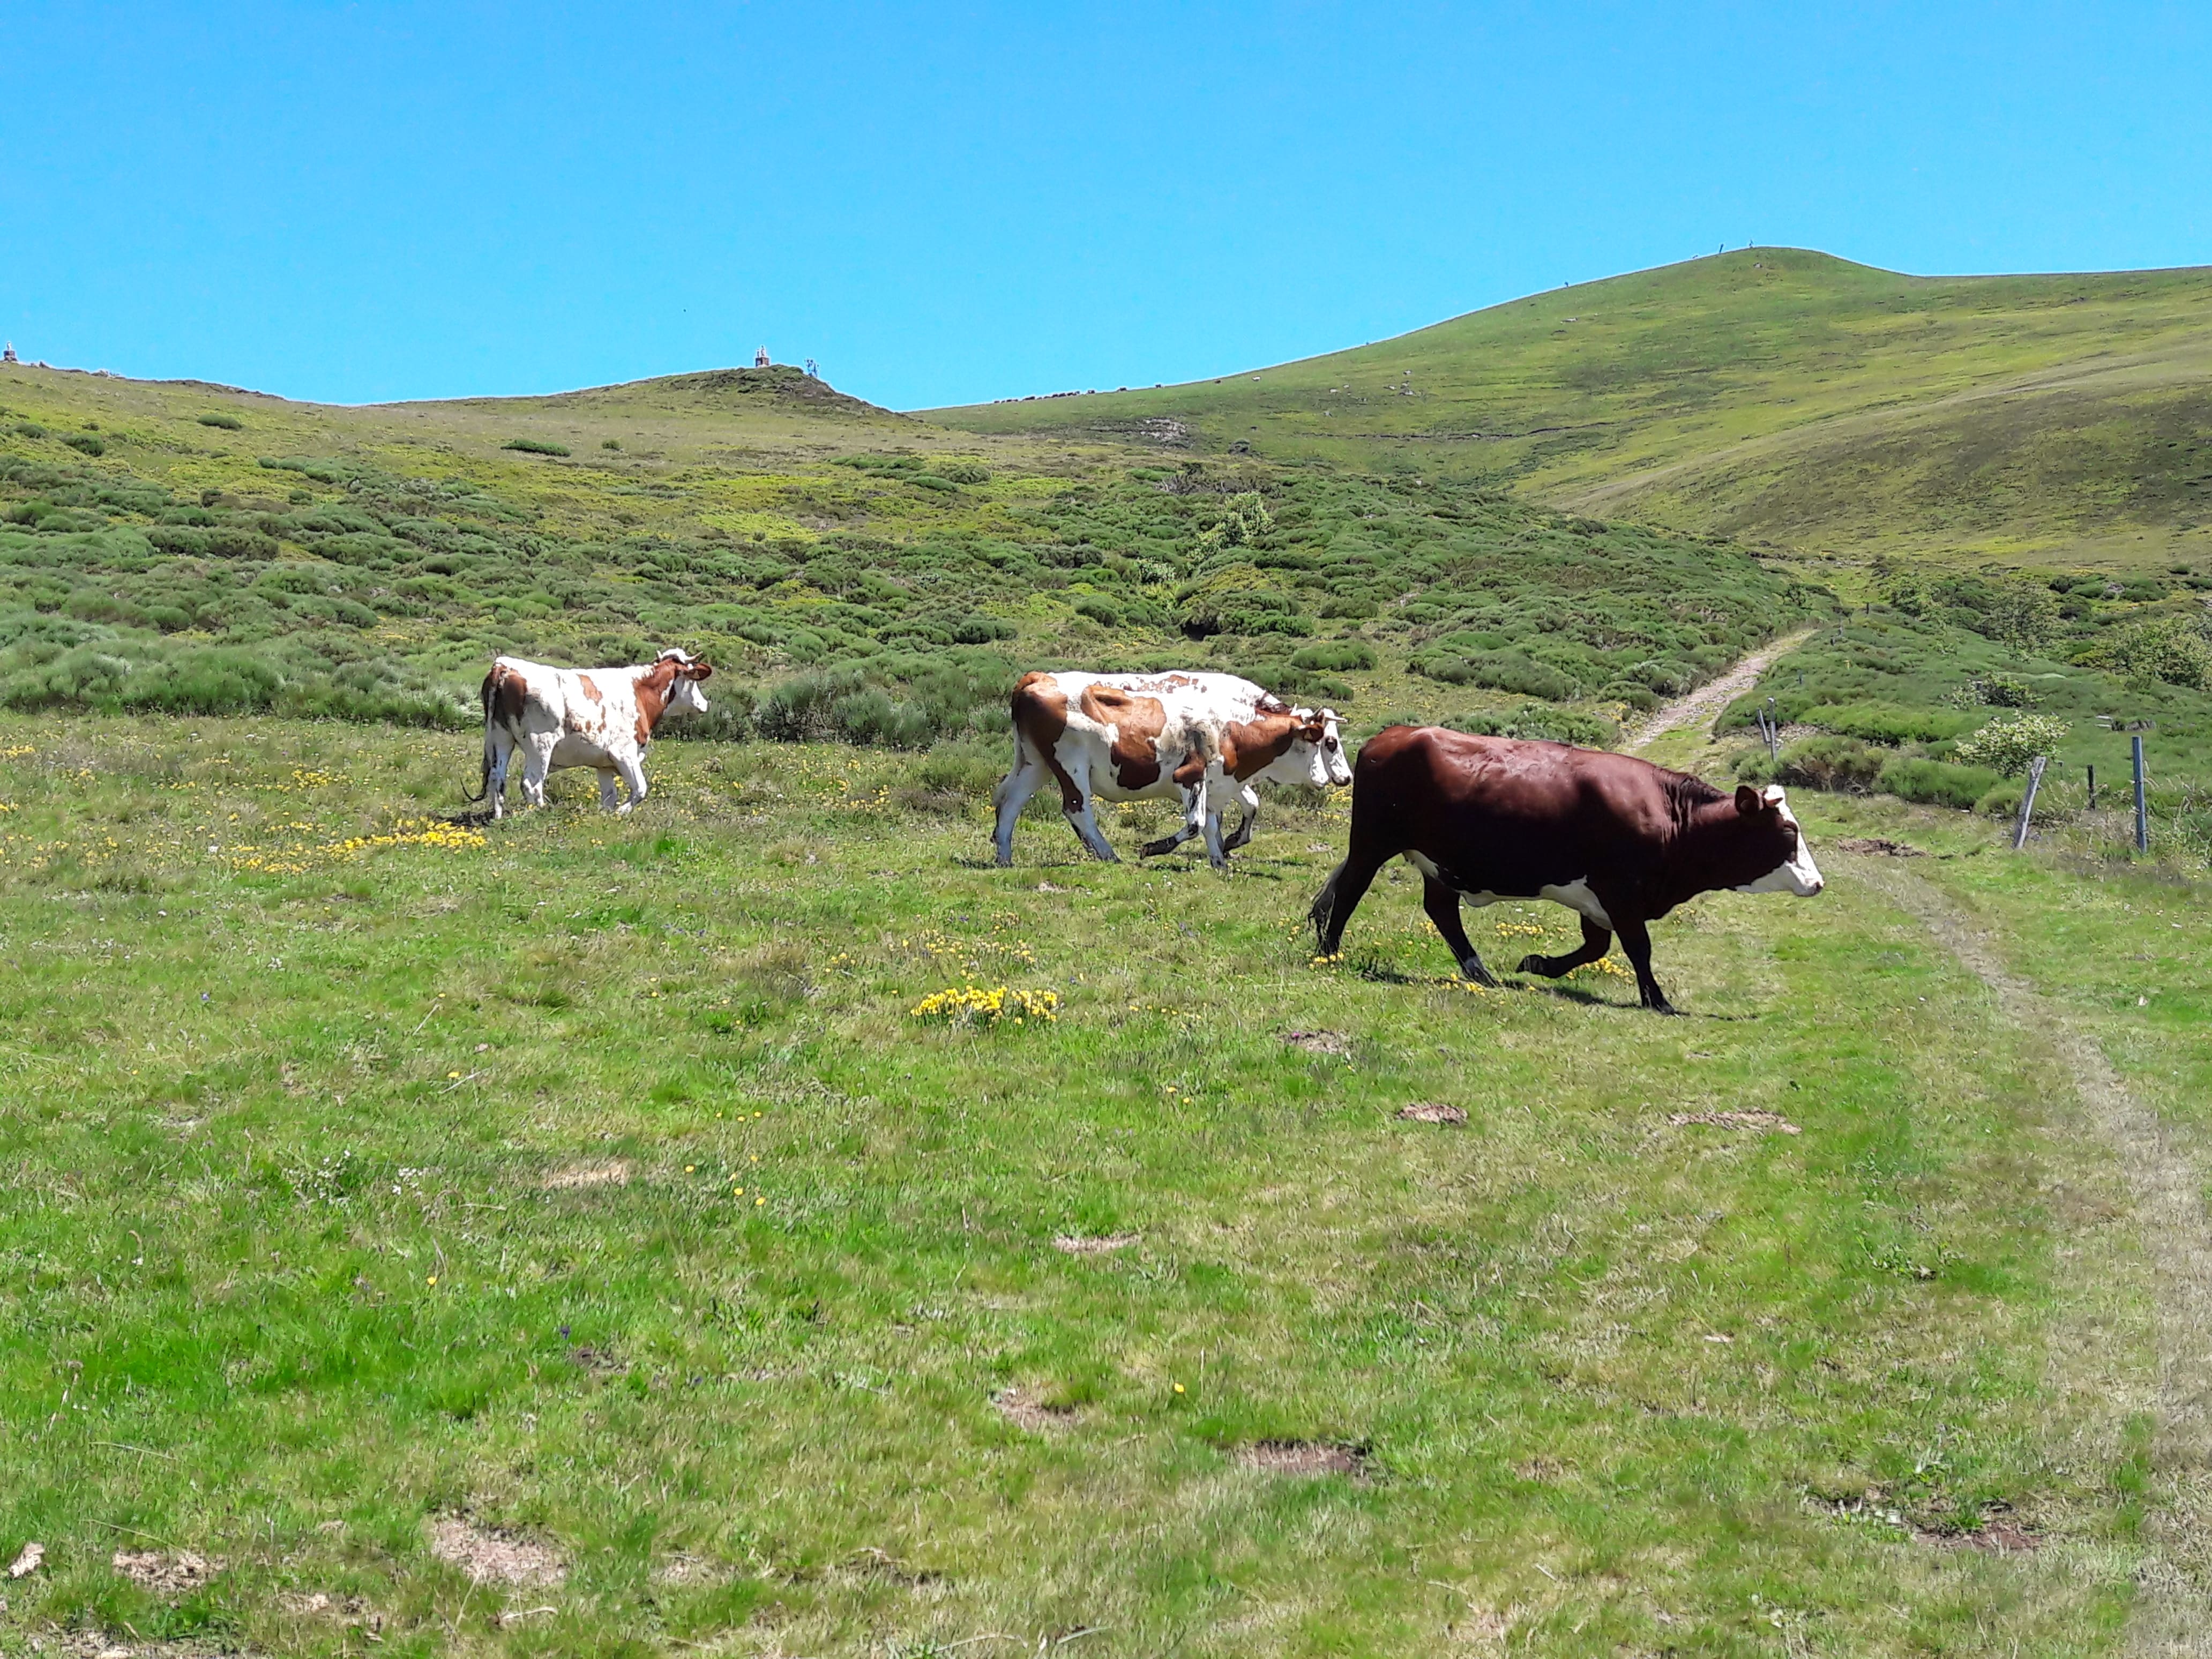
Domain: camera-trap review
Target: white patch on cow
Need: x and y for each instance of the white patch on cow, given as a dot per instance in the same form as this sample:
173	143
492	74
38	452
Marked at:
1576	897
1800	875
1575	894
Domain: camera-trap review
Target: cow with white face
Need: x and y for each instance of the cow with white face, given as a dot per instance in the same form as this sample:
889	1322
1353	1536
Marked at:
601	718
1198	738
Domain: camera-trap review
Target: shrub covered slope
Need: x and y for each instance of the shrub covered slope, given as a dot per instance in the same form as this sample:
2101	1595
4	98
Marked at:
854	575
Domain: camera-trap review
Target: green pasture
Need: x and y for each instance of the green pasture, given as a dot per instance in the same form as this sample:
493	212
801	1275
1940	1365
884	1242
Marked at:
1776	394
591	1184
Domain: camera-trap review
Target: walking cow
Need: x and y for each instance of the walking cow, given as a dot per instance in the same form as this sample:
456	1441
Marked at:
1199	737
1617	840
601	718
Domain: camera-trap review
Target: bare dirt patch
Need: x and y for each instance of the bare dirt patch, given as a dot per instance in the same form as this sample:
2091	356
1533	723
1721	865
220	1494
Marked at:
165	1575
682	1569
1304	1457
1877	847
1709	699
1078	1244
1025	1411
1319	1042
614	1174
495	1555
1434	1111
1997	1537
1735	1120
1481	1627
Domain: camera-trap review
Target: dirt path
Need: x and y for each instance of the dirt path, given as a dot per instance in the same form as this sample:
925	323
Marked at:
2172	1615
1709	699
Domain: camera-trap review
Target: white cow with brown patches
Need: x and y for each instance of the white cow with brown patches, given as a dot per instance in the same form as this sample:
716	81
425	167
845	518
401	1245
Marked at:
601	718
1203	738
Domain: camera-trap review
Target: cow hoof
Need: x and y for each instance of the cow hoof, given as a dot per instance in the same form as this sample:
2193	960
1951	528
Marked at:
1533	963
1152	849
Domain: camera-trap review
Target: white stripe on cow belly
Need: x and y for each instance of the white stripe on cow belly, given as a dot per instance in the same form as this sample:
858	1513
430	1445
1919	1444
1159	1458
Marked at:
1575	894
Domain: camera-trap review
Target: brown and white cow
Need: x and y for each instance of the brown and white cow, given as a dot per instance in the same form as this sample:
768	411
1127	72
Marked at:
601	718
1617	840
1200	737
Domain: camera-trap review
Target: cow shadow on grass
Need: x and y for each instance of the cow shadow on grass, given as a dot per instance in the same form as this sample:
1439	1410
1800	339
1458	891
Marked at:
1590	998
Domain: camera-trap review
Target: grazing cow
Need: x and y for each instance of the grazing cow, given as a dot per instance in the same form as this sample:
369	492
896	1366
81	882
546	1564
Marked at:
1199	737
1617	840
601	718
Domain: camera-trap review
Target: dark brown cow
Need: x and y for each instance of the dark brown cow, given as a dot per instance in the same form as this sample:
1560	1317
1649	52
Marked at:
1617	840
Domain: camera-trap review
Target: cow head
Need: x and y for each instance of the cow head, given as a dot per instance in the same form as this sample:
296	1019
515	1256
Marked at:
1767	840
686	673
1314	753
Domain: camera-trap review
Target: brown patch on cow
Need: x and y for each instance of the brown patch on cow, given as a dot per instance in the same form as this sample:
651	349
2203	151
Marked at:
1076	1244
590	690
1137	723
1259	743
167	1575
1434	1111
1319	1042
1735	1120
494	1554
651	689
1040	712
503	693
1878	846
1304	1457
1025	1411
615	1174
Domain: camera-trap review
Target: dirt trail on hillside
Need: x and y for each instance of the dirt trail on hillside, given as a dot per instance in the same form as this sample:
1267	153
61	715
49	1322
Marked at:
2173	1616
1709	699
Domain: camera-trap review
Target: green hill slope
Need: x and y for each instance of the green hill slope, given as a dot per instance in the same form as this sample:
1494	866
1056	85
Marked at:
861	574
1772	394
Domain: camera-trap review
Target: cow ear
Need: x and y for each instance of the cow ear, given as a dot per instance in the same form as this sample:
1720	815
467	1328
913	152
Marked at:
700	671
1746	799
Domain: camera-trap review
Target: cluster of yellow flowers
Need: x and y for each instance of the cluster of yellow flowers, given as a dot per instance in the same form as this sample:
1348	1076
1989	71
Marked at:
298	859
16	751
976	1004
1519	930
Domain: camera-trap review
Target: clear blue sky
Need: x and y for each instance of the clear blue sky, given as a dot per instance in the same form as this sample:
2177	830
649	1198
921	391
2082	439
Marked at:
952	203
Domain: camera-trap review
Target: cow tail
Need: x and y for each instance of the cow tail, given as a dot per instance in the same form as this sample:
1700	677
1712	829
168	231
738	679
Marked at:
484	693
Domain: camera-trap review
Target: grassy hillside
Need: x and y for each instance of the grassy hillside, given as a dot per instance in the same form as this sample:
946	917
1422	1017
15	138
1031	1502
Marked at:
851	572
1772	394
591	1198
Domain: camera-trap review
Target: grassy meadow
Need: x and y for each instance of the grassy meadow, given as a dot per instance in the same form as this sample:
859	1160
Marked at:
591	1185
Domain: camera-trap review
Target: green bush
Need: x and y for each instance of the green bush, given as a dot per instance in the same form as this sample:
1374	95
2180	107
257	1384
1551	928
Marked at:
1504	671
85	443
2006	746
2174	650
1887	722
1335	656
1827	761
1934	783
2002	800
1540	721
535	446
228	422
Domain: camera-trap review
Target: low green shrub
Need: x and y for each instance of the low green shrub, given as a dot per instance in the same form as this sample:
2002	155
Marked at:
1502	670
1542	721
1827	761
535	446
85	443
228	422
1887	722
1335	656
2002	800
1934	783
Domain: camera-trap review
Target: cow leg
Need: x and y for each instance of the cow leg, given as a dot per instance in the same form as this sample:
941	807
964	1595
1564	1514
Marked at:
607	802
1011	795
1339	897
633	776
1084	820
1442	905
498	754
537	762
1216	854
1194	816
1596	941
1637	942
1250	798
